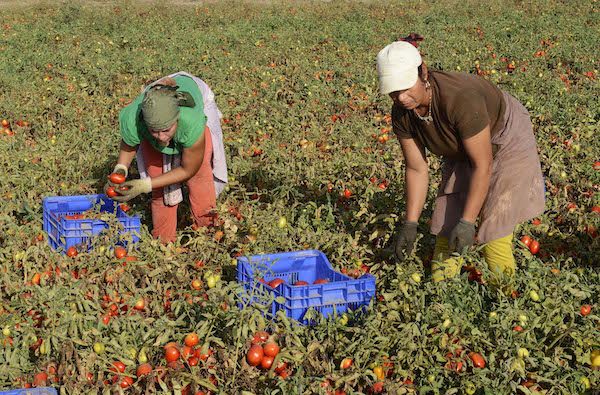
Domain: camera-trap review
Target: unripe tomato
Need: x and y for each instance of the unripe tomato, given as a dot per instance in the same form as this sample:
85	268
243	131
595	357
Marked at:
255	355
98	348
522	352
117	178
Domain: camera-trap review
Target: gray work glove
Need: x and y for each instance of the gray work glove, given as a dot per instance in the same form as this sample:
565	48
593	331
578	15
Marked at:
405	240
130	189
462	236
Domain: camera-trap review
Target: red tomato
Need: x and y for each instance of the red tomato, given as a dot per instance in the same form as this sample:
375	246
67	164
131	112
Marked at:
193	361
72	252
597	165
276	282
300	282
266	362
40	379
347	193
478	360
140	304
110	192
5	123
596	209
143	369
518	328
321	281
586	309
126	382
534	247
255	355
260	337
196	284
171	354
526	240
271	349
120	252
118	367
536	222
346	363
117	178
191	340
281	367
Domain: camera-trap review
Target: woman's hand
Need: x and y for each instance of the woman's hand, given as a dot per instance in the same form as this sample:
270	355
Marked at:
405	242
130	189
462	236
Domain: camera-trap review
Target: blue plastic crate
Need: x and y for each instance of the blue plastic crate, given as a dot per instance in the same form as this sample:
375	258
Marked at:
338	295
31	391
64	233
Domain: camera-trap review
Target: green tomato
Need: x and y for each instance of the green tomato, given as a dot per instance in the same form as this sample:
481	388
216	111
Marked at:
282	223
447	323
99	348
142	357
522	352
343	320
493	314
523	318
131	352
585	382
6	331
44	348
211	281
470	389
416	277
534	296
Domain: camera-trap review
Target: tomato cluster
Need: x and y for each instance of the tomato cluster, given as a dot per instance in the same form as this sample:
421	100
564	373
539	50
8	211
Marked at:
262	353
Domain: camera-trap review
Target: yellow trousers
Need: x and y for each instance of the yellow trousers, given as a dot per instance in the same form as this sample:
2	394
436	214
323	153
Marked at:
498	255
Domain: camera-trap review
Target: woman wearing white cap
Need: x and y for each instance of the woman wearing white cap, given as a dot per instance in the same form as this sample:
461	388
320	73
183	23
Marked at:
491	172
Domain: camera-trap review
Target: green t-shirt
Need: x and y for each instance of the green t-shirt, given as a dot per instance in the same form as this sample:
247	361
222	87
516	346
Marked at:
462	105
190	125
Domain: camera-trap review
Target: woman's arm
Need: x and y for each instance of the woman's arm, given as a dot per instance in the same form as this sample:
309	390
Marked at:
416	178
479	151
126	154
190	164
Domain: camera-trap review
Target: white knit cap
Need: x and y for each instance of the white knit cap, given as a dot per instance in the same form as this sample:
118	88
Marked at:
398	67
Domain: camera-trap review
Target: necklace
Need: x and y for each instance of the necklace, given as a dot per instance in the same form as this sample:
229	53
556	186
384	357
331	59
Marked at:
427	118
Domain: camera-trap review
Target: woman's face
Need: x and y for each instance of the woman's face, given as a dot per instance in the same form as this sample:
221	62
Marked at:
164	137
411	98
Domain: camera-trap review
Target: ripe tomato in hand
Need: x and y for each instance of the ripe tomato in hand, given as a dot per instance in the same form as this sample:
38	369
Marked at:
110	192
117	178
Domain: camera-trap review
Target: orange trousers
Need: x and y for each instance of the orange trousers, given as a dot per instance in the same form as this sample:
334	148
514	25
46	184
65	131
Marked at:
201	190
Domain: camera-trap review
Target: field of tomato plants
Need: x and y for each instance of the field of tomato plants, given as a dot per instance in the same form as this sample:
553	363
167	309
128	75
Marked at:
313	165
